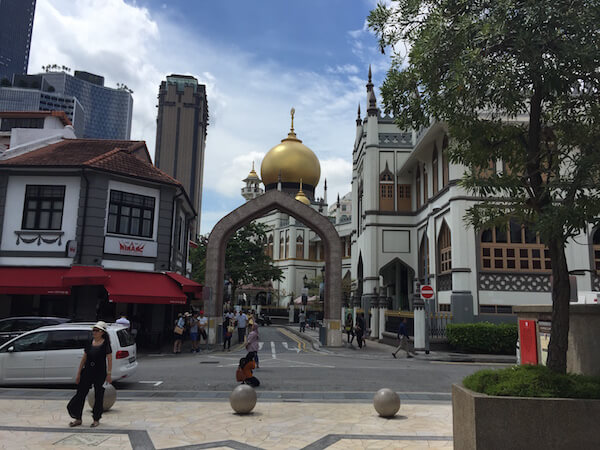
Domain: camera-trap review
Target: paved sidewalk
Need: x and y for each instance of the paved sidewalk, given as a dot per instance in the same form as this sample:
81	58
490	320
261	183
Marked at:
379	350
36	424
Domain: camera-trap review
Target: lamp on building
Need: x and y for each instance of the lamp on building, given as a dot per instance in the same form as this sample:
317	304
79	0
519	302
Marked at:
304	279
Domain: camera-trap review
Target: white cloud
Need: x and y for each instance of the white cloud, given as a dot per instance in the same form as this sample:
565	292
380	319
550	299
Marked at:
249	98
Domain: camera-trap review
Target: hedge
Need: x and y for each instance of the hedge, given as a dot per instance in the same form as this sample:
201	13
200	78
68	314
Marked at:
533	381
483	337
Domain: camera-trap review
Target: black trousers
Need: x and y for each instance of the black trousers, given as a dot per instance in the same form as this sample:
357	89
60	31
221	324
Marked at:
241	334
88	379
252	381
226	342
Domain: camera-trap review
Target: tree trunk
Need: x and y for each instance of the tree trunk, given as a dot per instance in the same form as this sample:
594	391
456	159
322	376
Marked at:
561	292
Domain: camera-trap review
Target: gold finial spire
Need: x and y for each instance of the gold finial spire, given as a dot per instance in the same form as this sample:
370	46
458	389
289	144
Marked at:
300	184
301	197
292	112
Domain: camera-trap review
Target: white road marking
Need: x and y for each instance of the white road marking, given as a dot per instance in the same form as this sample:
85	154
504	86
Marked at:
154	383
285	345
260	345
273	355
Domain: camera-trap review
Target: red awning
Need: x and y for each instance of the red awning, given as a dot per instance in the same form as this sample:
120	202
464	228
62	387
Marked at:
33	281
142	287
84	275
186	284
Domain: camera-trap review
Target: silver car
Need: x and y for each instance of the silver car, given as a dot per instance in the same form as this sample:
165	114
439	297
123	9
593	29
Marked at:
51	355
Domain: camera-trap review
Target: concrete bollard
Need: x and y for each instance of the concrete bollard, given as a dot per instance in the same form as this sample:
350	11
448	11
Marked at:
110	397
386	402
243	399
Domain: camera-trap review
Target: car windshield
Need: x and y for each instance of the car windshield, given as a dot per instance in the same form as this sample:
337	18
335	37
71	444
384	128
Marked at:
5	325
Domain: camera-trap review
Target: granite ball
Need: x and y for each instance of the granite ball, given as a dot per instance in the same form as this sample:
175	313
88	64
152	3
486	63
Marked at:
243	399
386	402
110	397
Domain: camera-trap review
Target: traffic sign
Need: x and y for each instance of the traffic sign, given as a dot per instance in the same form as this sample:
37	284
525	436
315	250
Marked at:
426	292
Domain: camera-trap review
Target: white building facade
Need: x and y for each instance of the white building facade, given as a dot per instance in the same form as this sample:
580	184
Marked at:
408	229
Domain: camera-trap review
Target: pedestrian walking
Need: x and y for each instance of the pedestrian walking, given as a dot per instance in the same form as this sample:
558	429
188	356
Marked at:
302	320
252	344
349	328
403	338
227	331
244	371
202	327
241	320
359	329
178	333
94	370
193	326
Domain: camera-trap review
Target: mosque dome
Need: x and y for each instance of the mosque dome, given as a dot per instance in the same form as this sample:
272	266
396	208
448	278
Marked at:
293	160
301	197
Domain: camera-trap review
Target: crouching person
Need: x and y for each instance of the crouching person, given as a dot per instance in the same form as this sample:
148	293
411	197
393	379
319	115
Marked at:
244	371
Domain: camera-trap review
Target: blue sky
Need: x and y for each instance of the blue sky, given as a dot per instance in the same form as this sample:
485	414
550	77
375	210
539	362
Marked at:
257	59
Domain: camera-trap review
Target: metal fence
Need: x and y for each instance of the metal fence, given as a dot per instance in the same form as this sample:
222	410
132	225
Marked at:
437	324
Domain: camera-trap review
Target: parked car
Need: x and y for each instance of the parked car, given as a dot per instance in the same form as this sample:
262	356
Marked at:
51	355
15	326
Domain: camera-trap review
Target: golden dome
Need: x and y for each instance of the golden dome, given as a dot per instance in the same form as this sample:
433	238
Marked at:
293	160
301	197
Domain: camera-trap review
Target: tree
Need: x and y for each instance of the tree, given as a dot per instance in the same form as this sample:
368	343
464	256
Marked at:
246	261
480	67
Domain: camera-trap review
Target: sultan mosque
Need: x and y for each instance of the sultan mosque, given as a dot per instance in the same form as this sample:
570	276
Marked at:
403	226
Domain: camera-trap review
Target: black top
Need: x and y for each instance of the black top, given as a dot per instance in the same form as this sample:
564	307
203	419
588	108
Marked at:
96	356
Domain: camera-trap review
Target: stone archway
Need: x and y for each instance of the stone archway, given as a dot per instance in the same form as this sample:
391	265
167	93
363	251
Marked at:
253	209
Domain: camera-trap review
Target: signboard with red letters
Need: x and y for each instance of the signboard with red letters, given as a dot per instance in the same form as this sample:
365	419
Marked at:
427	292
130	247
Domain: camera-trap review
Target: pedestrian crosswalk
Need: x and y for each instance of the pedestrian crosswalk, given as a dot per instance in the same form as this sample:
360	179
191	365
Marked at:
278	346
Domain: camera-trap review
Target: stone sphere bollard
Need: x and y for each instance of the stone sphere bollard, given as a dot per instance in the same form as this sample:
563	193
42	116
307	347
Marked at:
243	399
386	402
110	397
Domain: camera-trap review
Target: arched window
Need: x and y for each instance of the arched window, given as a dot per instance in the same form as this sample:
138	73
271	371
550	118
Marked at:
386	190
424	258
596	246
435	169
281	245
300	246
287	243
445	250
270	246
513	248
445	163
418	186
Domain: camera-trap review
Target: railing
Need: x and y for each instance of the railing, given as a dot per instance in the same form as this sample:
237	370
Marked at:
438	323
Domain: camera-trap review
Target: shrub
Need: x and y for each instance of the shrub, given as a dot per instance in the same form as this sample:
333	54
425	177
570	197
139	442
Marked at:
483	337
533	381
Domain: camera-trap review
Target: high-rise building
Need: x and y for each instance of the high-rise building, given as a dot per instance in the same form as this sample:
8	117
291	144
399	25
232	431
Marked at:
108	111
23	99
181	133
16	24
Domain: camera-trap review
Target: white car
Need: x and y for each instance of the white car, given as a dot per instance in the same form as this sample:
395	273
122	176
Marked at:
51	355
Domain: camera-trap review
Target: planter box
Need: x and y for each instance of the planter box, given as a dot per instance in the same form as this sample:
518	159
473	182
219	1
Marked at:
485	422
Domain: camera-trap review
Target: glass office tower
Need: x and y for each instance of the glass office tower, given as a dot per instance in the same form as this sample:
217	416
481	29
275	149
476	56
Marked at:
16	24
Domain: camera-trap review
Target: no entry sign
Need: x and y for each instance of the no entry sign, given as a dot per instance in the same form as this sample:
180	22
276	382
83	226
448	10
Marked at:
426	292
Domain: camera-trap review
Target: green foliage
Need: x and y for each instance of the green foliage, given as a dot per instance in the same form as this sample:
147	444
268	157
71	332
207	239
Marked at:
483	337
533	381
245	259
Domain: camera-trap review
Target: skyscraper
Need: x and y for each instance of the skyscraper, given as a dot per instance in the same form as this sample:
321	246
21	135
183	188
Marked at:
16	24
181	133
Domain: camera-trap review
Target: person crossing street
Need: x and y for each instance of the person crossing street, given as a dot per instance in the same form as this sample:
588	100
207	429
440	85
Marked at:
404	340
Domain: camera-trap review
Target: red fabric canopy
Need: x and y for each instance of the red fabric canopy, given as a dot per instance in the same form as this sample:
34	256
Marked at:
33	280
142	287
186	284
84	275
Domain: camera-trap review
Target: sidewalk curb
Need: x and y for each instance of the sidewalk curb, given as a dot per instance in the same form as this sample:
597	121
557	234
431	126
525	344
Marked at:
316	345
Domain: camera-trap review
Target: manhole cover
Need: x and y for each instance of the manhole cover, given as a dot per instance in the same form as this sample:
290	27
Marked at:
91	440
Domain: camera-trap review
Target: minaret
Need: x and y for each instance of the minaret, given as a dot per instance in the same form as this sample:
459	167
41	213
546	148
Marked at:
325	192
338	210
372	109
252	188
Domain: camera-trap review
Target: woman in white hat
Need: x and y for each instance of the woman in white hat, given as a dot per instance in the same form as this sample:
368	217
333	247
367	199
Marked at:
94	369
